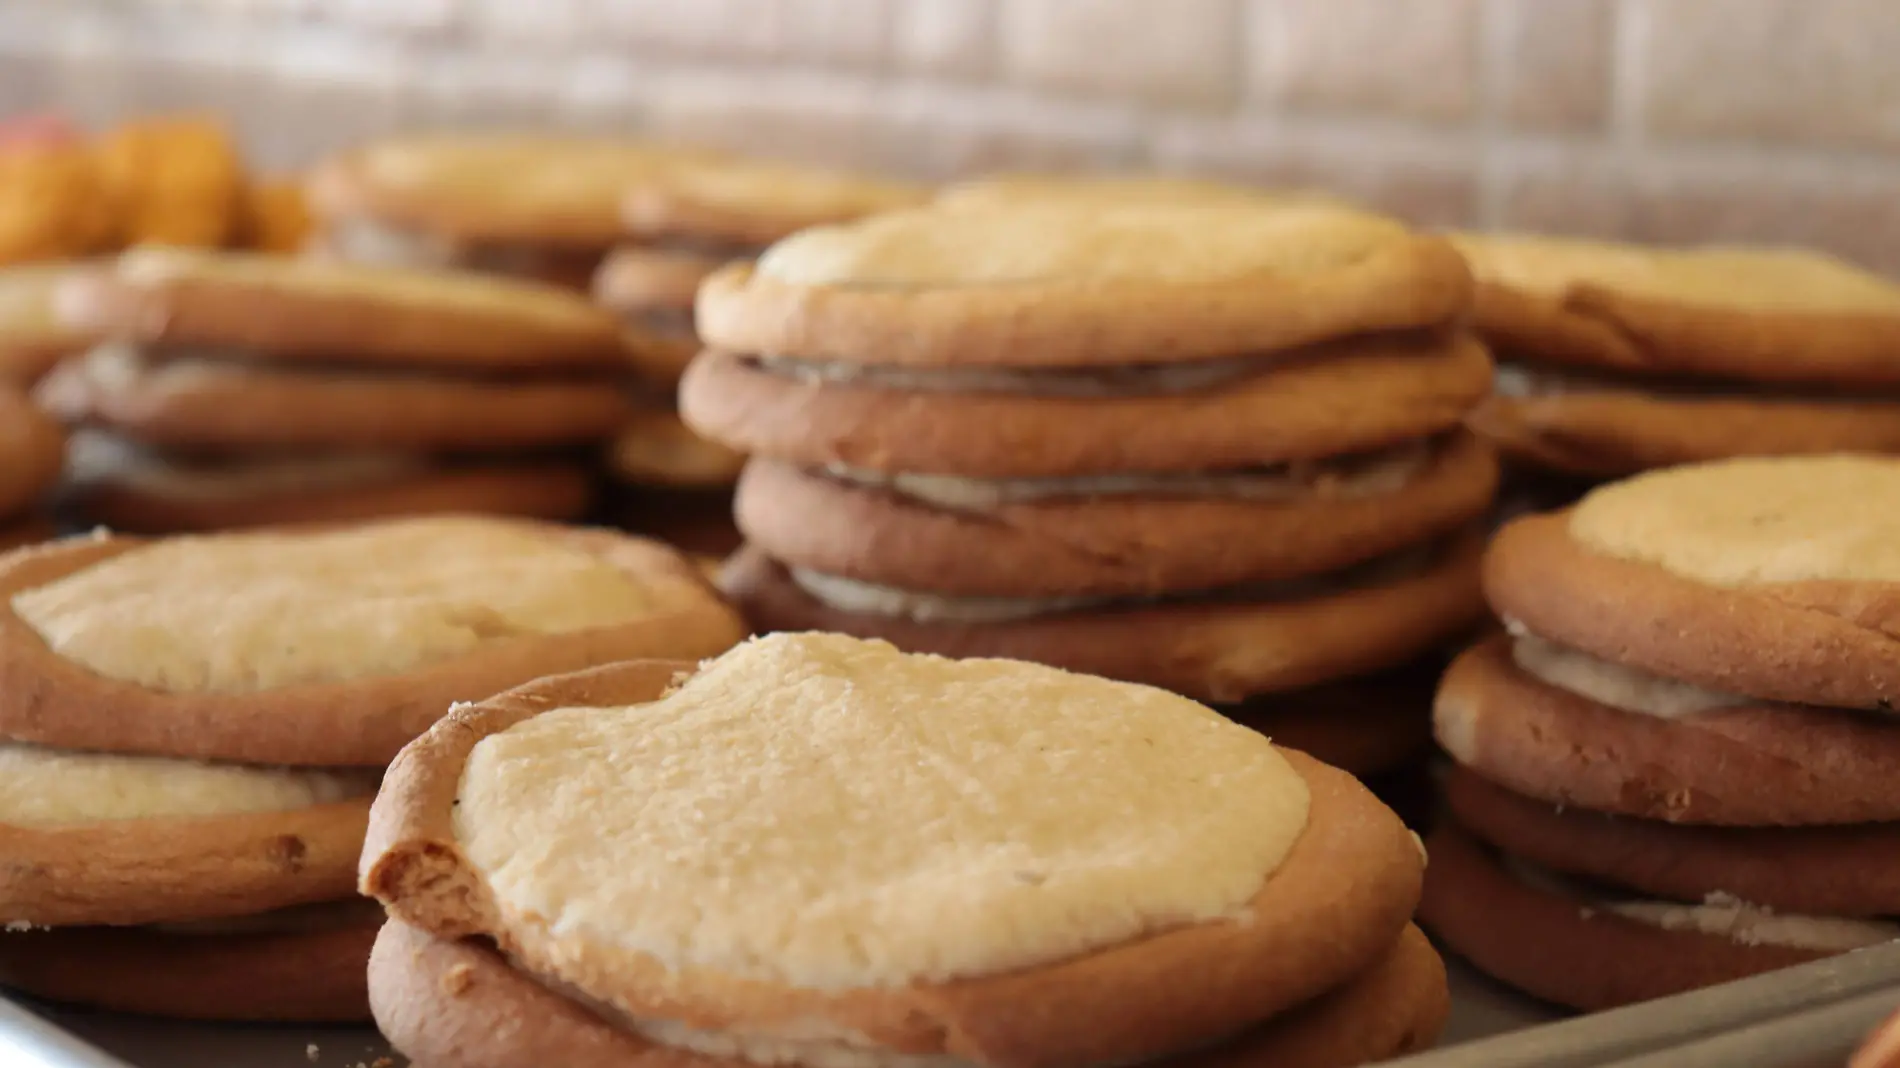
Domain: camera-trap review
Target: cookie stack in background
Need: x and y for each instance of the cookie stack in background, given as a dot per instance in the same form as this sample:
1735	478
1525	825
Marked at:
681	224
1213	448
240	390
192	729
33	339
1682	764
1615	359
1124	189
32	453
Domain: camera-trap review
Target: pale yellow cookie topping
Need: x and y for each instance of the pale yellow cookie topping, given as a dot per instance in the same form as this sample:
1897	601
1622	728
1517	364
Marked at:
1117	189
1751	521
235	613
45	788
827	812
1741	278
1041	242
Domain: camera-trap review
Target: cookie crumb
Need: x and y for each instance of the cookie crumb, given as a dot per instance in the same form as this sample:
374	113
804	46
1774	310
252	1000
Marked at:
19	926
458	979
311	1052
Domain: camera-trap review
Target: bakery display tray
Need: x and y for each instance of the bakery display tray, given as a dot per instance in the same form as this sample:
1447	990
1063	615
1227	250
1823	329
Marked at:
78	1039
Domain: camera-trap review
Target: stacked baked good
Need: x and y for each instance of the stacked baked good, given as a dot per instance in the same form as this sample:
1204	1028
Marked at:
816	851
193	729
682	223
32	451
1615	359
1678	767
239	389
1213	448
33	339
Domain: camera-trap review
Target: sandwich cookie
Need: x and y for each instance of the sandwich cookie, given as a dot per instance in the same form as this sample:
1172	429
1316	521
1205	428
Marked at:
192	852
32	338
241	390
1676	767
953	887
1617	359
673	484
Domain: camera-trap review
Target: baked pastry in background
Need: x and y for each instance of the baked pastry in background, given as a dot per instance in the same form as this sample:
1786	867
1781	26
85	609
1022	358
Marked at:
1120	189
193	728
1215	448
240	389
652	906
33	338
52	203
32	451
1677	767
172	180
1619	358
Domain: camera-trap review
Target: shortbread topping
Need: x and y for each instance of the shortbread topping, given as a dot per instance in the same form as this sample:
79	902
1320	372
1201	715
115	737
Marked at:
236	613
826	812
44	788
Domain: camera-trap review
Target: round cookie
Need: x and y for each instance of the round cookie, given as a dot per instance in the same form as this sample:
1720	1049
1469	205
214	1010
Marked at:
289	977
1214	650
740	205
1330	905
32	452
233	407
326	646
1756	314
303	310
1366	726
32	339
652	290
655	449
1558	948
1851	870
1043	286
1772	578
1340	397
1610	432
1752	765
1171	535
460	1003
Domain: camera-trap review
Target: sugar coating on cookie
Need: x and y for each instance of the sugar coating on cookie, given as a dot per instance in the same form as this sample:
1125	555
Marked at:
827	812
239	613
1753	521
44	788
1037	243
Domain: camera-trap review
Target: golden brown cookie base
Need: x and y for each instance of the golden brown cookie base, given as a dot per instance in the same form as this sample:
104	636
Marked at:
50	700
1749	766
1337	398
1100	546
551	492
238	409
1814	871
694	521
32	452
1216	651
178	869
1368	726
315	977
1609	433
1554	947
1816	643
1330	909
460	1004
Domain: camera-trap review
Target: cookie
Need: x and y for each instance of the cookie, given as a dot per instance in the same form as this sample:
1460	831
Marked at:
184	646
1769	578
741	205
1213	649
1368	726
1747	764
1569	949
1118	190
284	977
32	339
1084	914
1610	432
654	448
1113	536
1353	395
300	310
1851	870
652	290
460	1003
32	453
1762	315
1049	287
119	485
1882	1048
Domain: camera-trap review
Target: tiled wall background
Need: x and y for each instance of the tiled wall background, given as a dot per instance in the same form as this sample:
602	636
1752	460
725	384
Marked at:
1676	120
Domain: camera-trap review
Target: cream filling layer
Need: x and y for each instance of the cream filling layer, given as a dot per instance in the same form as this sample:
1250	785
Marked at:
45	788
817	1044
1626	688
1364	476
1721	915
94	457
1129	381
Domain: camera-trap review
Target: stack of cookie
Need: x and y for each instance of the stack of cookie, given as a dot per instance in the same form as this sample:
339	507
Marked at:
191	731
1615	359
1190	890
682	223
1213	448
240	390
1679	766
32	448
